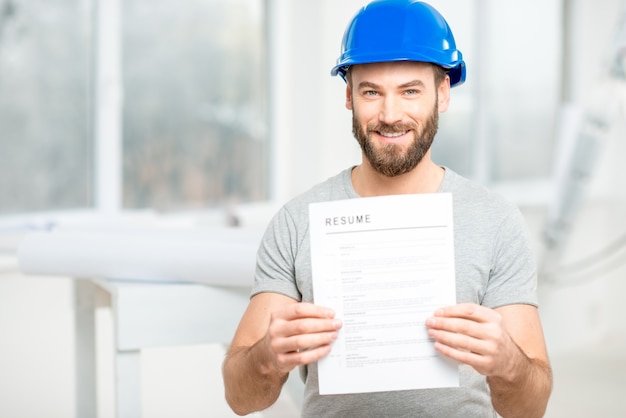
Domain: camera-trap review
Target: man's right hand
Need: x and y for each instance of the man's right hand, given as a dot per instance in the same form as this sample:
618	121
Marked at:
276	334
299	334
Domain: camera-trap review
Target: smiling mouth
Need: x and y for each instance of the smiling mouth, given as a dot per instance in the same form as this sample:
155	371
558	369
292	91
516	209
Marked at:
392	134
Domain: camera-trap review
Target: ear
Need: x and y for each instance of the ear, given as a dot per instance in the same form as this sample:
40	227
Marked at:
444	95
348	97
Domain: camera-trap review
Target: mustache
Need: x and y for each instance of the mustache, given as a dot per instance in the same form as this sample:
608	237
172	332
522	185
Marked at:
385	128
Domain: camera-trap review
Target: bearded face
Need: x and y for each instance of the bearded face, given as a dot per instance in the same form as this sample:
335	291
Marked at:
392	159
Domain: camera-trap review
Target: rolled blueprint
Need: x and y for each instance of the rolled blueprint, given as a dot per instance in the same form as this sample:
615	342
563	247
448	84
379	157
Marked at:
222	256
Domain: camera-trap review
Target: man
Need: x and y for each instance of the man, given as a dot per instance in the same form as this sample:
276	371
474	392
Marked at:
399	61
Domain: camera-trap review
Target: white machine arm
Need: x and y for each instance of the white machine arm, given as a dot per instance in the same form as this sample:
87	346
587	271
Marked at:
582	138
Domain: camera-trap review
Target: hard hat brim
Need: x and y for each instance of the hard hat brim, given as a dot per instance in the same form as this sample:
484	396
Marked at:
457	72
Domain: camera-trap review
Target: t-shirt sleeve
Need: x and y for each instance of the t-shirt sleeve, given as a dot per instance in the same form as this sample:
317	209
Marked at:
275	266
513	278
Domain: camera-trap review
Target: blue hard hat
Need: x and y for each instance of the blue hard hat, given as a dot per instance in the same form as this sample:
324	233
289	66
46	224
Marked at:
400	30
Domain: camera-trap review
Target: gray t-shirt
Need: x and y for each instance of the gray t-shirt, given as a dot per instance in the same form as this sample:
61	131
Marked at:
494	267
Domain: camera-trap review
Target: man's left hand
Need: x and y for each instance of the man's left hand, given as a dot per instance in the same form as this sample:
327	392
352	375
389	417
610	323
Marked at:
475	335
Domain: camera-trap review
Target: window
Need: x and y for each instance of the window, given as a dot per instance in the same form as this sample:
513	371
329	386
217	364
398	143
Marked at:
194	122
45	105
193	109
501	124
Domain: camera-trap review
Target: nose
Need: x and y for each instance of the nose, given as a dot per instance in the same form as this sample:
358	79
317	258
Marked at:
391	110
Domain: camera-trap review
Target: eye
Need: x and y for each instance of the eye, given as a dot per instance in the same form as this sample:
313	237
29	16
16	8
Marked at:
371	93
411	92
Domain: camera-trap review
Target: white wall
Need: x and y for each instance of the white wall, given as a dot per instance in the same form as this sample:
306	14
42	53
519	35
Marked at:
312	124
314	133
36	351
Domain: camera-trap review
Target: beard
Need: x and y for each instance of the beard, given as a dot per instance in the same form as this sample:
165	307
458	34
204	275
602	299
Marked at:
390	159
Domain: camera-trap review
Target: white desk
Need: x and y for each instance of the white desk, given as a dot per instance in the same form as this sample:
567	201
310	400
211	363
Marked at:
146	315
189	286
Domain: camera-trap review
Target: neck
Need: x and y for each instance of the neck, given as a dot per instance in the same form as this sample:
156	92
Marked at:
425	178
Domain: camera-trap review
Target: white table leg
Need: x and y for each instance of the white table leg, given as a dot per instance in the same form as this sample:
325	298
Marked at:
85	346
128	383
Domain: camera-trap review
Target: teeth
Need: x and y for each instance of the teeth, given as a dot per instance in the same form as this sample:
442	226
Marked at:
392	134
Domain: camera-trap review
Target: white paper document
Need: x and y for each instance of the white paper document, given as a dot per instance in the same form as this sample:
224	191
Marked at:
384	264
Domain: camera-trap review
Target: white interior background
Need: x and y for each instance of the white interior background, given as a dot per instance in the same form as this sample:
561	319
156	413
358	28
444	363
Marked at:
311	137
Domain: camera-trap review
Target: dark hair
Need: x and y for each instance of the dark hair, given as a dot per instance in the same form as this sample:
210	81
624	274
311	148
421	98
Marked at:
440	74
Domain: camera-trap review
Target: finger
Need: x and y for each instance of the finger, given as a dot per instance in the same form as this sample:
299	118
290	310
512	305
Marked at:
303	342
305	310
300	350
469	311
474	359
288	361
484	361
284	328
460	326
461	342
491	334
